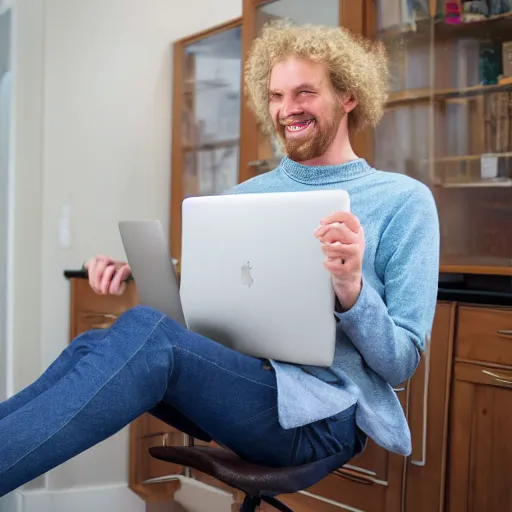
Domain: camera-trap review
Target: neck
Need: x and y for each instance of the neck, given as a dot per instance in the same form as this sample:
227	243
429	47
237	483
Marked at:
339	152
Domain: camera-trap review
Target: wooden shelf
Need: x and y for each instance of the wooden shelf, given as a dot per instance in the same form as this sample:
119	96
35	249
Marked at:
467	158
427	94
471	269
490	266
432	30
503	182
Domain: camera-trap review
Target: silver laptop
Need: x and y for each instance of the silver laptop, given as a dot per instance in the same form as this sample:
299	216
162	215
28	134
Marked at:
152	267
252	274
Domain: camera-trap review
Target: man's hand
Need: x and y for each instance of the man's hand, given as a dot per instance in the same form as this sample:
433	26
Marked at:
342	238
107	276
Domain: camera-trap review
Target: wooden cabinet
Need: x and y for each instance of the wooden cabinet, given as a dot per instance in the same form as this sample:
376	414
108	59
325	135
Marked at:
428	417
480	442
152	479
458	406
378	481
92	311
447	121
206	118
481	445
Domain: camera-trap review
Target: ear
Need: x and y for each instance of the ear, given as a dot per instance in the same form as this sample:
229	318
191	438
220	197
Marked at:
348	102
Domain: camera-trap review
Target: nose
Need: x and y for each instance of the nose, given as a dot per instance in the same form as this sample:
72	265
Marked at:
290	108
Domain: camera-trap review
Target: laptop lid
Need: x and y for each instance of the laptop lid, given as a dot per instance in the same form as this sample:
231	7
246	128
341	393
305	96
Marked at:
252	274
152	267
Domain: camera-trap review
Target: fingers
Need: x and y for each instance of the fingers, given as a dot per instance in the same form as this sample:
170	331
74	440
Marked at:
343	217
118	283
107	276
336	232
92	270
99	271
337	250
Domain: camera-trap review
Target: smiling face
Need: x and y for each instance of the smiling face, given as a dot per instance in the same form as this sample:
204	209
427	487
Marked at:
306	111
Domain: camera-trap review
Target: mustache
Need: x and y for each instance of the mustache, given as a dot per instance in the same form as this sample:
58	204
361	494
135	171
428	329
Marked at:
295	119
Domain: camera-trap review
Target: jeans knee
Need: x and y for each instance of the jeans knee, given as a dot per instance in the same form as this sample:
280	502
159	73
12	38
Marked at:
85	342
140	334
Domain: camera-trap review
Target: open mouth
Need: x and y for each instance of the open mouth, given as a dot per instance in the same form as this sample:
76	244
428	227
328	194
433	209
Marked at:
298	126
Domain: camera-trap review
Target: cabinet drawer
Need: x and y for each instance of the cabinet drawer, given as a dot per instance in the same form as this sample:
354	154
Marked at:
353	492
92	311
86	300
484	334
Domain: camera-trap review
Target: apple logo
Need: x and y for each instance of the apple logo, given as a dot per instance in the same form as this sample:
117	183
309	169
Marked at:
246	276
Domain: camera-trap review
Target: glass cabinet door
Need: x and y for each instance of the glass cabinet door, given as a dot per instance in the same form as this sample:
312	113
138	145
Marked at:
207	100
211	113
448	121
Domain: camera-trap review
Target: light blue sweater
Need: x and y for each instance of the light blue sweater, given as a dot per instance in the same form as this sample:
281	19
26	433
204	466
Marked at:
380	339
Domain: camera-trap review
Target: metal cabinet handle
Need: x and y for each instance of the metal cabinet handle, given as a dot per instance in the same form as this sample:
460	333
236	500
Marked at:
498	378
102	316
354	478
423	461
505	333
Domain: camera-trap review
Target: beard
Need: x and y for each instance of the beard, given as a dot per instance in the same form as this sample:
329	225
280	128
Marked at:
313	145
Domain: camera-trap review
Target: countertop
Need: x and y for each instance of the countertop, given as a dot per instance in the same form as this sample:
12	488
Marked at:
473	289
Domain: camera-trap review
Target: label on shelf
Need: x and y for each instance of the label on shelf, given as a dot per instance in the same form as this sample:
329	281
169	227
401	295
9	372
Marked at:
488	167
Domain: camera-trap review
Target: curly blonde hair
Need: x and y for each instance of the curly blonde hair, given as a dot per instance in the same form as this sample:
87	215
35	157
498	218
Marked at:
356	65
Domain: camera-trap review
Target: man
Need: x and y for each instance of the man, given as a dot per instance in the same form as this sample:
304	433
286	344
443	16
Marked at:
312	87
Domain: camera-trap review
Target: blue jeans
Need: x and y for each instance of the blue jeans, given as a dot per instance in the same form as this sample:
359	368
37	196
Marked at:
146	362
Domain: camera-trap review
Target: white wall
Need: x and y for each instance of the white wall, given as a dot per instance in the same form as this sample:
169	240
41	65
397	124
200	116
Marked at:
92	131
5	124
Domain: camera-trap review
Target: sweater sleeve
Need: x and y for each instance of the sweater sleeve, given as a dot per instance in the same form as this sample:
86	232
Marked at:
390	334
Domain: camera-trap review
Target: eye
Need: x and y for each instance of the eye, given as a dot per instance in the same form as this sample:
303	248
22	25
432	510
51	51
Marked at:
305	93
275	96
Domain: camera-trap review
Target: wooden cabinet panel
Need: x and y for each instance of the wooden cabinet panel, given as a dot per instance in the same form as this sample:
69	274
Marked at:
143	467
484	334
428	417
154	426
481	446
358	492
92	311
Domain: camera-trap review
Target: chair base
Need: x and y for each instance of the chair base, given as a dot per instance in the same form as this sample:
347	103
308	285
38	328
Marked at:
251	504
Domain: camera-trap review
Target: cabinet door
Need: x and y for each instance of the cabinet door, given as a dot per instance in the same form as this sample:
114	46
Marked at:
206	118
428	417
480	440
447	123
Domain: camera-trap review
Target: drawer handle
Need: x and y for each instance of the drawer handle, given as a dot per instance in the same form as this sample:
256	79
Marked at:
423	461
505	333
101	316
497	377
353	478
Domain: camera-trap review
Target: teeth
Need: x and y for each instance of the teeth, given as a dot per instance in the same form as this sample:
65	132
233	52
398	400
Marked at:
298	127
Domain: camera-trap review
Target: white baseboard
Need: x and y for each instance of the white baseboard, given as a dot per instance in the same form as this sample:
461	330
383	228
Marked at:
118	498
194	496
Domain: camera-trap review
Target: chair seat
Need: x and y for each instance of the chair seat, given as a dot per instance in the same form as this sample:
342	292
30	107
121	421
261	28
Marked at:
252	479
